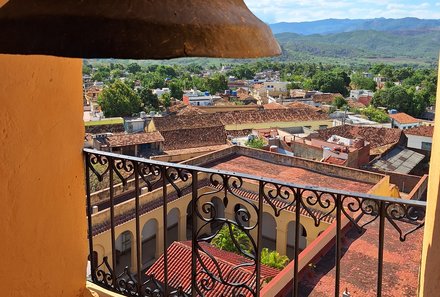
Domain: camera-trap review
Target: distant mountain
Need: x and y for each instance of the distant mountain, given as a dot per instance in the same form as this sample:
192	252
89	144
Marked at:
397	46
330	26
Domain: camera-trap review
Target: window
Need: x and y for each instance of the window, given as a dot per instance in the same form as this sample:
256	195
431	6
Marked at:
426	146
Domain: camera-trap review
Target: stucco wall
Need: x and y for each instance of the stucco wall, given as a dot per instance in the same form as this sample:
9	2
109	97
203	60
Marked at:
415	141
42	198
430	268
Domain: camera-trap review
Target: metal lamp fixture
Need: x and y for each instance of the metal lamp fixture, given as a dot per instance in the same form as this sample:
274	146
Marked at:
136	29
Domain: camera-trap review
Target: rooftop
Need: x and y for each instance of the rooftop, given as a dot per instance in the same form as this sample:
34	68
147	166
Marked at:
377	137
118	140
359	264
297	175
180	272
427	131
399	160
403	118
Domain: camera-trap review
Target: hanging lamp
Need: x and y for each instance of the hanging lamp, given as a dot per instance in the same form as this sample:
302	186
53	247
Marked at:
135	29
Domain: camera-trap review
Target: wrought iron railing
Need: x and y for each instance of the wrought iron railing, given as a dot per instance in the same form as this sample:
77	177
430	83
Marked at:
137	177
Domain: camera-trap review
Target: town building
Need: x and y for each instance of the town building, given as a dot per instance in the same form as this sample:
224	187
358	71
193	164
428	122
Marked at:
420	137
198	98
402	121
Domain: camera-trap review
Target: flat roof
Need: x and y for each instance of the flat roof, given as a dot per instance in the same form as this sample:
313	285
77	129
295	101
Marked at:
359	264
297	175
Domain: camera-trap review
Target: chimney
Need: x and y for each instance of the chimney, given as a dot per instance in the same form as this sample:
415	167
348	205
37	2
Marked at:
346	293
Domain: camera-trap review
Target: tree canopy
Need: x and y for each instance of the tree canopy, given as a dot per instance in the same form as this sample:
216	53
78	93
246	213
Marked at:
119	99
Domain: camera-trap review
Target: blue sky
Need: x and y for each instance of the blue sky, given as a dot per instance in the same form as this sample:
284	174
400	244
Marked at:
272	11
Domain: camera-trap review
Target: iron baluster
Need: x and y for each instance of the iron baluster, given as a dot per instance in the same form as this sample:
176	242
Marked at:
165	229
138	233
380	248
259	238
89	218
112	221
338	243
195	187
297	196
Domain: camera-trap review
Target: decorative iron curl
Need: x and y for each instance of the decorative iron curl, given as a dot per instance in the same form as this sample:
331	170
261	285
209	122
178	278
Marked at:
103	277
150	174
94	159
152	287
175	174
126	284
358	208
324	200
271	191
412	215
126	166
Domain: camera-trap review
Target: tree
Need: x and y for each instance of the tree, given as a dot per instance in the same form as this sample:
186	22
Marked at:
359	82
405	100
176	90
134	68
217	83
149	100
225	238
329	82
229	236
255	142
119	100
273	259
166	99
375	114
339	102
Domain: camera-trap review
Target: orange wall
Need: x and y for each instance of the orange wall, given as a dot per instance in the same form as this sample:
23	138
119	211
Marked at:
43	227
430	267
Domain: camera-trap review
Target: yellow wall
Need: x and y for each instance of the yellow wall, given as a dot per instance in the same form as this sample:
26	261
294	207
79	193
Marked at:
43	227
430	268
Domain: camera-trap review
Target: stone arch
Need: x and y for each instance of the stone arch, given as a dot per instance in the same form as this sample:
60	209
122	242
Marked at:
149	241
269	231
302	243
124	253
173	226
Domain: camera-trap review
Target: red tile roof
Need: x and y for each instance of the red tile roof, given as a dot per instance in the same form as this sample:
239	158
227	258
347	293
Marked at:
193	137
273	105
335	161
297	104
118	140
326	97
248	165
180	274
359	264
377	137
427	131
404	118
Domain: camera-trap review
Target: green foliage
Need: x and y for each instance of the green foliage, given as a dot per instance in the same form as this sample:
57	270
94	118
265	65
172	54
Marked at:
166	99
149	100
216	83
339	102
404	100
329	82
273	259
359	82
257	143
224	241
374	114
119	99
134	68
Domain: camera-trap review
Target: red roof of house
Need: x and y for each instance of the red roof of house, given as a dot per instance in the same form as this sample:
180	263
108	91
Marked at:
334	161
180	275
404	118
427	131
119	140
274	105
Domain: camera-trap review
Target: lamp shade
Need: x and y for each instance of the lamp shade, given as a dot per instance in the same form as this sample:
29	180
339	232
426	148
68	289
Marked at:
136	29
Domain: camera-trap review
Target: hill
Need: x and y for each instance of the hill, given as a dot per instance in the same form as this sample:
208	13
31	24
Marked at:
330	26
413	46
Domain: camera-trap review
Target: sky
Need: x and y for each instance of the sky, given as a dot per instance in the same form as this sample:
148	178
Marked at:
273	11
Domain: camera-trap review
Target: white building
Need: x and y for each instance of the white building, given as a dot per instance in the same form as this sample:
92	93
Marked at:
420	137
403	121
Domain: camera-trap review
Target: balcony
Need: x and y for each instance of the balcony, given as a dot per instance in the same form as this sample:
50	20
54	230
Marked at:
151	226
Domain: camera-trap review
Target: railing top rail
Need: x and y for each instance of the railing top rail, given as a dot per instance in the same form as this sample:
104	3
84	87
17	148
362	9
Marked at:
257	178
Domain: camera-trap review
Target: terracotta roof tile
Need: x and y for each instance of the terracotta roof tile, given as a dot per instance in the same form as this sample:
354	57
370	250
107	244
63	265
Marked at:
403	118
118	140
193	137
325	98
334	161
296	105
377	137
427	131
180	275
274	105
